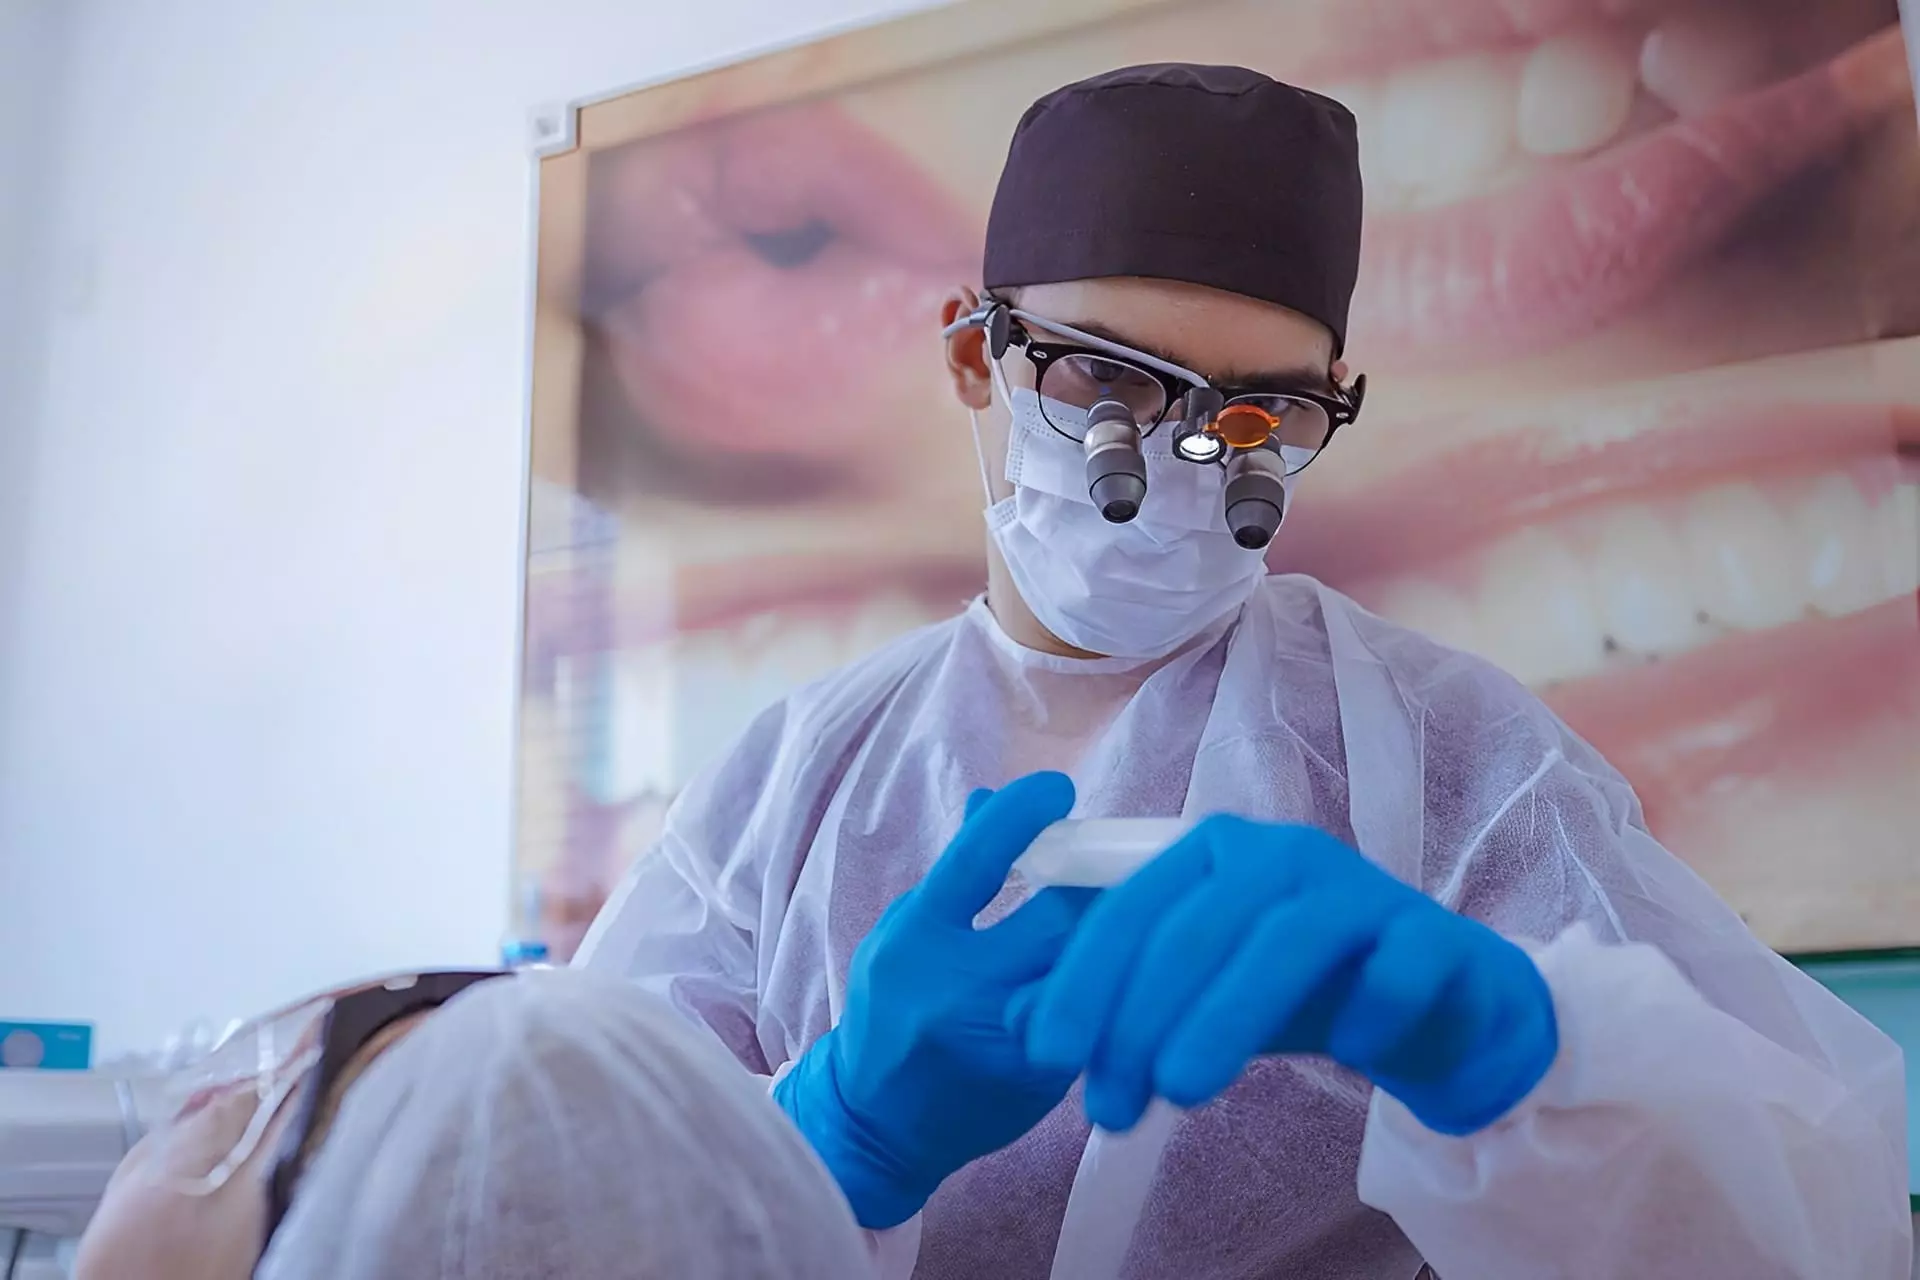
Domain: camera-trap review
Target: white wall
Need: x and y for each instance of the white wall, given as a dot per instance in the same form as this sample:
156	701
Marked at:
31	44
256	696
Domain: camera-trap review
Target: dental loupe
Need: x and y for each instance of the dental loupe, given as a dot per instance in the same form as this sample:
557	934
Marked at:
1258	437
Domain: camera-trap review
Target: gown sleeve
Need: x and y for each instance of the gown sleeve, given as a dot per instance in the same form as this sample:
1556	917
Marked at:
1712	1111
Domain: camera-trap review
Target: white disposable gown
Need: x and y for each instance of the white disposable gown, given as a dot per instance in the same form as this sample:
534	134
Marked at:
1712	1112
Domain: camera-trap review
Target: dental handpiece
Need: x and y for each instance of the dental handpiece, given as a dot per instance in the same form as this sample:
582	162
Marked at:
1097	853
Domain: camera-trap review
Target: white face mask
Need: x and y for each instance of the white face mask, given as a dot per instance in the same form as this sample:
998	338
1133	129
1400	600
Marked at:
1136	590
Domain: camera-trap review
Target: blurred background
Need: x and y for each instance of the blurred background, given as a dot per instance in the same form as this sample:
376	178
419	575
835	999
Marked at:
1640	431
264	296
1638	304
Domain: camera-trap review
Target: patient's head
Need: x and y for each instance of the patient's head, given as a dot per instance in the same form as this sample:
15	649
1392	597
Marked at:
553	1123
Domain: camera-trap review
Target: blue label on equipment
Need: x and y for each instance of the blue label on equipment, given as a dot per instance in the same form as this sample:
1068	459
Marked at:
46	1046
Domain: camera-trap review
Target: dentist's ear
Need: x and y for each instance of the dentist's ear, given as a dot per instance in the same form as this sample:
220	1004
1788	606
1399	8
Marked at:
967	352
1339	373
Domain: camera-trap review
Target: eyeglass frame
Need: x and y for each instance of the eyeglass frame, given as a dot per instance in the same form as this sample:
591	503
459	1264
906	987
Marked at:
351	1023
1005	327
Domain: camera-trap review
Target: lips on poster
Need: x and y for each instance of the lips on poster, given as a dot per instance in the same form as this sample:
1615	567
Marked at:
1639	288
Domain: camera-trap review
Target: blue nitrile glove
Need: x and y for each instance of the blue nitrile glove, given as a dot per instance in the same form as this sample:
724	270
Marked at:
1249	938
922	1075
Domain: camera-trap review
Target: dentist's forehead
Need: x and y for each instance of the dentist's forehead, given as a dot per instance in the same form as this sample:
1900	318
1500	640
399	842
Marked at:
1229	339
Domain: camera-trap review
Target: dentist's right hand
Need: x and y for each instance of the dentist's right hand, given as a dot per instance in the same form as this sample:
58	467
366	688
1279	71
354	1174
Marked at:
921	1076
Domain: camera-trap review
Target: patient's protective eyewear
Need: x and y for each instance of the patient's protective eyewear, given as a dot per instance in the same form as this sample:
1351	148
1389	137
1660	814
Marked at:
297	1054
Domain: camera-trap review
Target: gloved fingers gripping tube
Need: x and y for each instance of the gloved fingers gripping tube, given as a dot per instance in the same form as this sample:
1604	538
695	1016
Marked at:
1116	470
1256	496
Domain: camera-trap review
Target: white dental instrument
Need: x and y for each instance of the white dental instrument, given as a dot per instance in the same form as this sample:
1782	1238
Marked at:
1096	853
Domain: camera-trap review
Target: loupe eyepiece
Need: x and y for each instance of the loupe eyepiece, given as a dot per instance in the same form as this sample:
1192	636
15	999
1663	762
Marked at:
1256	496
1116	471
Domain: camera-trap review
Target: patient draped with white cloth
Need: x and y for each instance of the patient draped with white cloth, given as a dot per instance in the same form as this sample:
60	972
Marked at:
540	1124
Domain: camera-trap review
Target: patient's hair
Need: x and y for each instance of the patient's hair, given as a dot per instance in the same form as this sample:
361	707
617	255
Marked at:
562	1123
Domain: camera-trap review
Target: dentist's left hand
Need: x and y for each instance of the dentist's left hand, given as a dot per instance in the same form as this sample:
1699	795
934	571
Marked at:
1252	938
922	1074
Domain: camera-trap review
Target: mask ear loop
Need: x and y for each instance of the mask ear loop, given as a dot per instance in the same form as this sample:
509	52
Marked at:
973	416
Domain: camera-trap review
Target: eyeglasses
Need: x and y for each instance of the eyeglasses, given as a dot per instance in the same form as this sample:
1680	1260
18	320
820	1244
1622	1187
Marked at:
1210	423
298	1053
349	1024
1109	398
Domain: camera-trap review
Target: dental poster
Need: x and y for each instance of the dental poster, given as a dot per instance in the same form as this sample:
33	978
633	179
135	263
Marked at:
1640	311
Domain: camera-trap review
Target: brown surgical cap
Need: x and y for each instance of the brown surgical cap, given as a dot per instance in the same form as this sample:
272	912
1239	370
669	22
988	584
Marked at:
1213	175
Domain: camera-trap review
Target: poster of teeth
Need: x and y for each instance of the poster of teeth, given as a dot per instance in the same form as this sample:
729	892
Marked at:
1640	310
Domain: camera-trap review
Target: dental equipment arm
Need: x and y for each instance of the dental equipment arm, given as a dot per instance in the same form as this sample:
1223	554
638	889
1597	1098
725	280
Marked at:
62	1133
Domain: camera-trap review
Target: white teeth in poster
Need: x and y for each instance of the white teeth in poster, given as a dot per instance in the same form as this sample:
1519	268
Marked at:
1636	285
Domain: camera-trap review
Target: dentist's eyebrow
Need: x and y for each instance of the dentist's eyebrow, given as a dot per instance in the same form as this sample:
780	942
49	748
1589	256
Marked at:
1288	376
